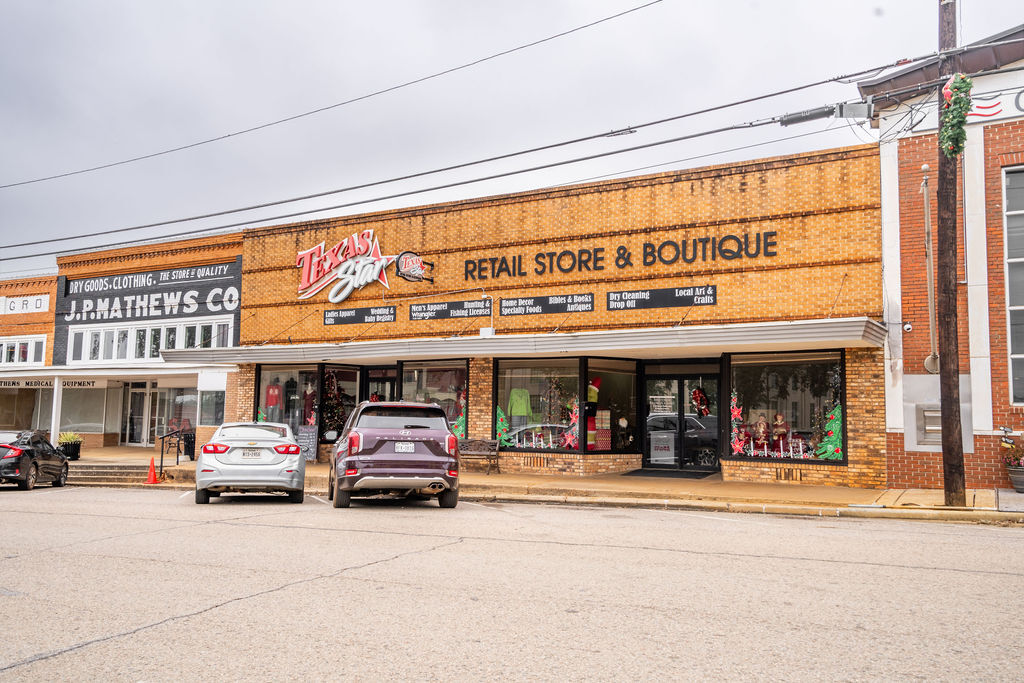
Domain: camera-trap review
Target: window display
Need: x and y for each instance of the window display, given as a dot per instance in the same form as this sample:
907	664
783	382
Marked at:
341	387
211	408
787	406
440	382
288	395
538	404
611	405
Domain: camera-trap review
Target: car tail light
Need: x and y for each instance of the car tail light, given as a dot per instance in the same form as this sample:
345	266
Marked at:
12	452
288	449
355	442
453	445
215	448
453	473
351	472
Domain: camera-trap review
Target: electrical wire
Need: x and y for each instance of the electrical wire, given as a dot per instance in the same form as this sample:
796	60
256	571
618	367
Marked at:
749	124
319	110
420	174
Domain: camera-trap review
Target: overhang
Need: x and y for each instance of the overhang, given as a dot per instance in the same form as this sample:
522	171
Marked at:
691	341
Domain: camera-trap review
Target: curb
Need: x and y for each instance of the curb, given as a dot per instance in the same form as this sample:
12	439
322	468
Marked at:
507	494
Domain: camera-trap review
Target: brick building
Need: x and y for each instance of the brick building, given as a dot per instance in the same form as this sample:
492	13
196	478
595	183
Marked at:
990	261
594	328
82	350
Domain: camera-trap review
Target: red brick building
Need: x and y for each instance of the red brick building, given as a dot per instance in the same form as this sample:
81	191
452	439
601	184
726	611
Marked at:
990	260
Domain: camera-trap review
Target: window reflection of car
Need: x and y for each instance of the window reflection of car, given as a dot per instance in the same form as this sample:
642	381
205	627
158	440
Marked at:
539	435
700	438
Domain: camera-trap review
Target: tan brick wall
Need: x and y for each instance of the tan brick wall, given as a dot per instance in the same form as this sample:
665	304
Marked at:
20	324
823	207
240	394
481	404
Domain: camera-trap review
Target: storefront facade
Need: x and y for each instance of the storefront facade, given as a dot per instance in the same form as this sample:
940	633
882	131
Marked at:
990	268
717	318
90	361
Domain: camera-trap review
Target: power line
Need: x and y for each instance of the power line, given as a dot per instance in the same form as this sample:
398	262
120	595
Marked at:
319	110
749	124
500	157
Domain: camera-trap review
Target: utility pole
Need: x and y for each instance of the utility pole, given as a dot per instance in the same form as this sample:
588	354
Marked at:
949	348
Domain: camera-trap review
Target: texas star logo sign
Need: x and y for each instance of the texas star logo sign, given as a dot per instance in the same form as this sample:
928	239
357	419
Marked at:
350	264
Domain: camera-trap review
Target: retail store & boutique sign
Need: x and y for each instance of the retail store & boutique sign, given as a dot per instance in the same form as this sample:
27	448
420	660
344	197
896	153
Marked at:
668	252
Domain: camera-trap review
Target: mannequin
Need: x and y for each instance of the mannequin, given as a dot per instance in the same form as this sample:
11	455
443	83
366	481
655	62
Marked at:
760	433
780	433
518	407
308	401
273	400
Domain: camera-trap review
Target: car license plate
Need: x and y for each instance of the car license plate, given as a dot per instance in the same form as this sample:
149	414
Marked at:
248	453
404	447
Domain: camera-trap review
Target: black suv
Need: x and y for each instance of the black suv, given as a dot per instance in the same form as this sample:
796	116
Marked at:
395	447
27	457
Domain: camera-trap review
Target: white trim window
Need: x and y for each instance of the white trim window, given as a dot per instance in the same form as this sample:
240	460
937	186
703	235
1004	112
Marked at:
26	350
138	343
1013	203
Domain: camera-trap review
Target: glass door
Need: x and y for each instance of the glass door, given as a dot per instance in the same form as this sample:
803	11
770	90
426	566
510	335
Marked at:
663	447
380	384
135	418
682	422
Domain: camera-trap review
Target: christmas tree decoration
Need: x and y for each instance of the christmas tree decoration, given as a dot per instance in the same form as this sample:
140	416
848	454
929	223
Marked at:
831	445
952	135
502	429
261	416
736	413
459	428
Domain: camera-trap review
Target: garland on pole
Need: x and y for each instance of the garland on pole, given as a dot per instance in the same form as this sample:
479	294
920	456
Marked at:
952	136
736	419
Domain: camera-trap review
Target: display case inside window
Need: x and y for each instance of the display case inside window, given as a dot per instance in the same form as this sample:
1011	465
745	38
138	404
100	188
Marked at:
788	406
443	383
288	394
341	388
538	404
610	409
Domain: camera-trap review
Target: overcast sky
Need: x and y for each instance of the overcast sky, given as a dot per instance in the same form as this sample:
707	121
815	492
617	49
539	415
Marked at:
91	82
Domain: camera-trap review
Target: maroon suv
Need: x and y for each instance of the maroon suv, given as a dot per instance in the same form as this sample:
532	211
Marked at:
396	447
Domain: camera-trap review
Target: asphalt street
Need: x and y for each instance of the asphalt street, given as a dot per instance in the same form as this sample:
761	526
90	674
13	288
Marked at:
144	585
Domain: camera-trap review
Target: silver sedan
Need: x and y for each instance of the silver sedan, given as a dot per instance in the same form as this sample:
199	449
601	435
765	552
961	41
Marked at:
250	457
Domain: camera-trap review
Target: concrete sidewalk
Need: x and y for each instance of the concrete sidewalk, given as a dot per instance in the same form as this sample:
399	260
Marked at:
709	493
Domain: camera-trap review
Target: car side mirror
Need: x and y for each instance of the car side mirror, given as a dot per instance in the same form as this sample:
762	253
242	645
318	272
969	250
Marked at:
331	435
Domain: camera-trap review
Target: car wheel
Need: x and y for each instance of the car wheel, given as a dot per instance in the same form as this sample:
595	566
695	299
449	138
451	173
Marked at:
202	496
448	498
342	499
29	482
330	486
62	478
296	496
707	457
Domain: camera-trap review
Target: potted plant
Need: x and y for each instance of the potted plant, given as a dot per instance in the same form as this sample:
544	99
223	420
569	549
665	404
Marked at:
71	444
1014	459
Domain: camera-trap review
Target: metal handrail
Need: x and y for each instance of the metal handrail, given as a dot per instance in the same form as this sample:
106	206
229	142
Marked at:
177	446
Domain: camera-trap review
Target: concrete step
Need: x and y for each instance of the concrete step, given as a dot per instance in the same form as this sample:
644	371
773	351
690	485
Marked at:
74	478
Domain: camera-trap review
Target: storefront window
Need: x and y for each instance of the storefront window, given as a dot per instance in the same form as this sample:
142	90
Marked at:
288	395
211	408
788	406
341	387
82	410
16	408
443	383
610	408
538	404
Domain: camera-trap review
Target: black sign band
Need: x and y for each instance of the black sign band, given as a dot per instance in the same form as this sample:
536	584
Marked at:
474	308
670	297
539	305
349	316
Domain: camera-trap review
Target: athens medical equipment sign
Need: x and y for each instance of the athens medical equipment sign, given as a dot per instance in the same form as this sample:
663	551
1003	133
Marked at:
350	264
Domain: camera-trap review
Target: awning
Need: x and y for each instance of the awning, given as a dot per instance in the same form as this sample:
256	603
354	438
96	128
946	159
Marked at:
691	341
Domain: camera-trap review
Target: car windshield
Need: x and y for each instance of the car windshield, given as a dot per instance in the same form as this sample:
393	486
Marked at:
253	431
402	417
9	437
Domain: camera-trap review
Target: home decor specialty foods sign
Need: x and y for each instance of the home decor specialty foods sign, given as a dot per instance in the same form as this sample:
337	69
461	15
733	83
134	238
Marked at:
172	294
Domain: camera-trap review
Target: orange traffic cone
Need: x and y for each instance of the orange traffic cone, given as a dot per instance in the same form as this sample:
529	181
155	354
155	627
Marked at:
152	473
